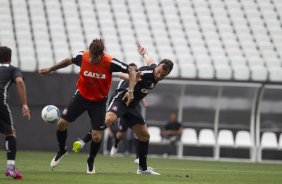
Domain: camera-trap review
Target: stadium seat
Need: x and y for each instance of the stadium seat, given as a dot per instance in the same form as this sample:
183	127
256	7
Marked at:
258	73
205	71
275	74
223	72
206	137
243	139
241	72
188	70
155	134
269	141
189	136
225	138
280	141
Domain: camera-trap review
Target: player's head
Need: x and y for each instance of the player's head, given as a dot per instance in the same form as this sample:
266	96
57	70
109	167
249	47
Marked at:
173	118
5	54
133	65
96	50
163	69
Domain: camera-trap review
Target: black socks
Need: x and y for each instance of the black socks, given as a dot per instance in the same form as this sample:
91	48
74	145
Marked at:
11	147
143	152
62	138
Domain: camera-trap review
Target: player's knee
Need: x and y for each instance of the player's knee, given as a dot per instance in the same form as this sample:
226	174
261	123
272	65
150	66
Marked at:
110	118
11	133
96	136
145	137
120	135
62	125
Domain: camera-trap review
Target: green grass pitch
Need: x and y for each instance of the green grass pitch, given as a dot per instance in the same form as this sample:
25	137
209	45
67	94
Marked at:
122	170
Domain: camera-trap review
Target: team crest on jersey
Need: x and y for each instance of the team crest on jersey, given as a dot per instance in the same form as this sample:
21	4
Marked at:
94	75
65	111
115	108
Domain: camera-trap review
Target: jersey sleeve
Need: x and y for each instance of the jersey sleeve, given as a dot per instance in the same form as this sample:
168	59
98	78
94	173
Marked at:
118	66
77	59
17	73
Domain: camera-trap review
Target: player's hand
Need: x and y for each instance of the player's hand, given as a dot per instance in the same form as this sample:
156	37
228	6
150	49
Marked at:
25	112
139	76
128	97
45	71
141	49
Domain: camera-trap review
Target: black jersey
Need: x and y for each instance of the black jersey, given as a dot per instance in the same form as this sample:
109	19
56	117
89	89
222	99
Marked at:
8	75
142	88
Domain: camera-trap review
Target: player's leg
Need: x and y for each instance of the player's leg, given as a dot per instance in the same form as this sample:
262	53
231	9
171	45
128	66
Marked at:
96	113
94	148
119	135
80	143
76	107
139	127
11	148
7	128
136	145
143	135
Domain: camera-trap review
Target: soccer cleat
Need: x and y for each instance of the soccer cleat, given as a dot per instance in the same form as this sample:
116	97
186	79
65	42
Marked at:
14	173
56	160
78	145
114	151
90	166
136	161
148	171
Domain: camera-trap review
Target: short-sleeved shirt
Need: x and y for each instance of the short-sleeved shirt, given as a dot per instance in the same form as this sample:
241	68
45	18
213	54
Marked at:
142	87
8	75
95	79
173	126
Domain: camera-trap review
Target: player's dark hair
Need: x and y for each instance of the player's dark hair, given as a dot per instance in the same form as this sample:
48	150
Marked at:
5	54
97	47
167	65
132	64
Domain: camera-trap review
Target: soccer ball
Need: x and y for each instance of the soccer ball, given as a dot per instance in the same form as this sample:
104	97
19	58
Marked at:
50	114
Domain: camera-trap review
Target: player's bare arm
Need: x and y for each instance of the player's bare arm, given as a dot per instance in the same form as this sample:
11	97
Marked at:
143	52
132	78
62	64
125	76
22	93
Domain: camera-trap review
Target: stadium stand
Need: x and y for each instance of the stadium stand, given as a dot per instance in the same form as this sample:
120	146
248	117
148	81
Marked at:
224	40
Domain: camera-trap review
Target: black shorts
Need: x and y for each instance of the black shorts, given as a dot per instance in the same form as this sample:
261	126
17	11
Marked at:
129	116
6	120
96	111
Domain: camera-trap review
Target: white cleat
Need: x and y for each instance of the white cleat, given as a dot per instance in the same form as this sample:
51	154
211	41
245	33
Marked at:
56	160
93	171
114	151
136	161
148	171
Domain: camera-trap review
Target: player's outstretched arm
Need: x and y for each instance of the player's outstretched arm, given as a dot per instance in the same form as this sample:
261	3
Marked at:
125	76
132	78
62	64
22	93
145	54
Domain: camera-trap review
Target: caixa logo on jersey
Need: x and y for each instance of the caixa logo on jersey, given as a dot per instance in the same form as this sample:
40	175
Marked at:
94	75
145	90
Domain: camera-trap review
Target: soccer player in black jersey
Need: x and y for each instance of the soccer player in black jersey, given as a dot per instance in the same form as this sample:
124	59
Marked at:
8	75
151	75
